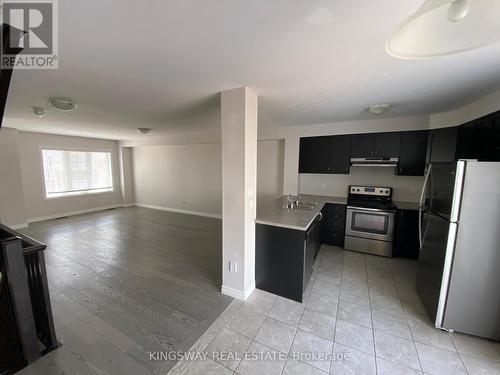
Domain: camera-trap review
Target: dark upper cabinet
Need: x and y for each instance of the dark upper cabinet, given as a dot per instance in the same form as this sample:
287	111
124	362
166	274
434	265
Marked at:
314	155
325	155
495	144
412	155
488	138
376	145
467	142
387	144
443	144
339	148
480	139
362	145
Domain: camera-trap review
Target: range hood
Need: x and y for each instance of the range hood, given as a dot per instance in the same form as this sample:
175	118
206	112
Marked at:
374	162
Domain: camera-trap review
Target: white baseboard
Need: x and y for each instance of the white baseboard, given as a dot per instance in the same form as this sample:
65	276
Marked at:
238	294
188	212
128	205
19	226
72	213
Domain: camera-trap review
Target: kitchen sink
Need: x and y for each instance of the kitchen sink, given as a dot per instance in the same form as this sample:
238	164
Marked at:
307	203
303	207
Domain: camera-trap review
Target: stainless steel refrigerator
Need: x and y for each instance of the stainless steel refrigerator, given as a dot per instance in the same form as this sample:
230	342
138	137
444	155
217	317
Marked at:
458	276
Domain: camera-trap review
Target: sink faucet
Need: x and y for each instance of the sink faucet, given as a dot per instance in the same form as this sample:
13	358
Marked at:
292	200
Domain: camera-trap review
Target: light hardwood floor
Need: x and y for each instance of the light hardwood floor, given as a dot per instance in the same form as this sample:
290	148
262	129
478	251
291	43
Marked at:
127	282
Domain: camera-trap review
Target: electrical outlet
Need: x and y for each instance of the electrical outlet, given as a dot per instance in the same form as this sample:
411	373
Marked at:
323	187
233	266
413	189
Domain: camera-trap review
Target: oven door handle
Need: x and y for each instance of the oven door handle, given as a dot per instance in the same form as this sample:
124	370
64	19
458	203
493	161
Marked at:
364	209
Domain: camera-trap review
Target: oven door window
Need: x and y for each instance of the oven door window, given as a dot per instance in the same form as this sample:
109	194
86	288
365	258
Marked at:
370	223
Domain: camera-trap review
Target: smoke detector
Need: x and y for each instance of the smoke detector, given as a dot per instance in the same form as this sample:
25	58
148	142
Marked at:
379	109
61	104
143	130
39	112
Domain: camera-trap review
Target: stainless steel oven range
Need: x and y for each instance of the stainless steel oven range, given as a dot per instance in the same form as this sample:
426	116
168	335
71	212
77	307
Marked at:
370	220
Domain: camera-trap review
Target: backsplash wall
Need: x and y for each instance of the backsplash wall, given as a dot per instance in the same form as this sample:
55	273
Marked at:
405	188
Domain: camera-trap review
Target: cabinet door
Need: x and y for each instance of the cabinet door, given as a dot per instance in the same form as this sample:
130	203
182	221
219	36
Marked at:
334	224
310	252
340	154
406	242
314	155
467	141
387	144
443	145
363	146
412	153
488	138
495	146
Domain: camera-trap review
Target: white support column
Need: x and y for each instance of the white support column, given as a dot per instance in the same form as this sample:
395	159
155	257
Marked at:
239	184
291	167
126	176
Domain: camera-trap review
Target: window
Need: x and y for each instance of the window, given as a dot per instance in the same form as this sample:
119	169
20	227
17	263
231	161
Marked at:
76	172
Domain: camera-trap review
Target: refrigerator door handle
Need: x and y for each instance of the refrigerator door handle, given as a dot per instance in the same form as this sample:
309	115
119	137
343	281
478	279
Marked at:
422	198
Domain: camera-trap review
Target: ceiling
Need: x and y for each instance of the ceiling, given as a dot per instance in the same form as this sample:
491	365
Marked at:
161	64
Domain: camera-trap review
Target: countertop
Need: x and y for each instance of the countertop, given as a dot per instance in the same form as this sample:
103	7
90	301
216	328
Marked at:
274	214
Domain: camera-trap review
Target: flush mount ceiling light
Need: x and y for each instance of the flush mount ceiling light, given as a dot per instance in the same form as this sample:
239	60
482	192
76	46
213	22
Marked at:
379	109
143	130
39	112
444	27
62	104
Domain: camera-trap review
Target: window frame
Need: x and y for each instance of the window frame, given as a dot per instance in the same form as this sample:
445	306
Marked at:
84	193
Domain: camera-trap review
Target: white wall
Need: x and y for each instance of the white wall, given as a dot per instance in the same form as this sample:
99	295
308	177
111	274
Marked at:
270	162
37	206
406	188
166	176
179	177
12	207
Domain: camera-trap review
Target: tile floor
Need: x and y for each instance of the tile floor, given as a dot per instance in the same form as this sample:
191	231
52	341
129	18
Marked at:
362	305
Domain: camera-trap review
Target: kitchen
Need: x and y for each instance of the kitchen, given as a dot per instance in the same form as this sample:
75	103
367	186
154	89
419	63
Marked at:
460	170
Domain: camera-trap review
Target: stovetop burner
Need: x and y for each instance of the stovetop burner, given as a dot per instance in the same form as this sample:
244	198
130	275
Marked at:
370	197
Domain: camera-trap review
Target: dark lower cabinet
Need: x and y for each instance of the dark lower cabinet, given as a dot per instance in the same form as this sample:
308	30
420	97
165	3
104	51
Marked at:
413	152
406	241
333	230
284	258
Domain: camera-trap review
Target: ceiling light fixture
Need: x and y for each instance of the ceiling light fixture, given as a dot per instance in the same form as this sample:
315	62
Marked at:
379	109
445	27
39	112
62	104
143	130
